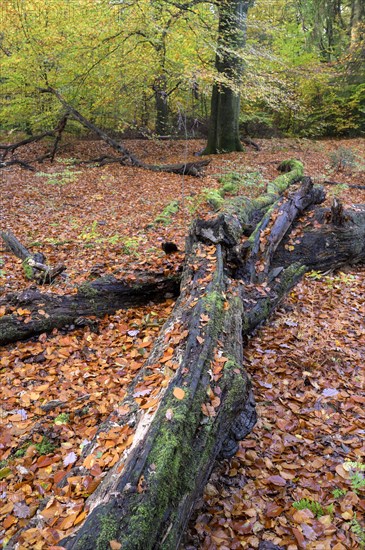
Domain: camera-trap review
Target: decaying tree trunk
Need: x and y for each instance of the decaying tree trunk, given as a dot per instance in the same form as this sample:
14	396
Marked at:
34	265
46	311
126	158
238	267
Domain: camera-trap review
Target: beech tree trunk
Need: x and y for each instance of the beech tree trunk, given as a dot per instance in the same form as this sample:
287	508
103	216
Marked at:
239	265
223	133
162	107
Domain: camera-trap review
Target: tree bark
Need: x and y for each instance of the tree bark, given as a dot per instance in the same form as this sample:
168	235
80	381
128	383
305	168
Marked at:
162	107
208	405
223	133
357	23
97	298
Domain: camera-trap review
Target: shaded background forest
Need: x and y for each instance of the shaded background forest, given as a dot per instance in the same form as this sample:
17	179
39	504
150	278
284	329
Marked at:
146	67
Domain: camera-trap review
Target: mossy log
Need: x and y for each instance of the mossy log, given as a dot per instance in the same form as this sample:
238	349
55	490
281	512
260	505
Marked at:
206	405
97	298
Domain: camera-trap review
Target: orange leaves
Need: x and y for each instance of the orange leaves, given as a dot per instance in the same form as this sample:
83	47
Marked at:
150	404
83	376
22	312
179	393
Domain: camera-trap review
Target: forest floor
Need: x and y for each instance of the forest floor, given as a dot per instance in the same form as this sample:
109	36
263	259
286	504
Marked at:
297	479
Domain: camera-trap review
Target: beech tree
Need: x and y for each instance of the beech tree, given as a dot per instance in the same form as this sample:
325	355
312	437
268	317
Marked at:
223	135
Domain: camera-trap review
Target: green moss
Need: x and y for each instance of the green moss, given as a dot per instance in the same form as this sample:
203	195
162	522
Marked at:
22	450
213	299
214	198
85	289
45	447
28	270
167	213
62	418
108	531
294	171
252	238
237	389
230	187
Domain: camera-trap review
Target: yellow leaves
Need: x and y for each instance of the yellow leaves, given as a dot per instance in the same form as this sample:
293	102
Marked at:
22	312
89	461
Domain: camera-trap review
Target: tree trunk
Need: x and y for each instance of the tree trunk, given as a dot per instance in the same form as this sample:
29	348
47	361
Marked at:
357	23
223	134
239	265
97	298
162	107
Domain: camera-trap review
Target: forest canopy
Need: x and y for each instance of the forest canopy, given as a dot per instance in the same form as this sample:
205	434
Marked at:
147	66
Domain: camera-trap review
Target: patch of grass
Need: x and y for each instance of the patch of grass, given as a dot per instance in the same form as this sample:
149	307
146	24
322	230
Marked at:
343	158
359	531
90	233
2	271
59	178
19	453
338	493
45	447
315	507
62	418
130	246
166	215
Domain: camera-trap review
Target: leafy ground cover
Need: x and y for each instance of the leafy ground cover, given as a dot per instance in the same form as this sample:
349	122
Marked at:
291	481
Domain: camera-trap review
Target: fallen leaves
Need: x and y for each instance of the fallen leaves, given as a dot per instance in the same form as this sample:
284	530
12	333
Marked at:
179	393
86	374
311	422
80	379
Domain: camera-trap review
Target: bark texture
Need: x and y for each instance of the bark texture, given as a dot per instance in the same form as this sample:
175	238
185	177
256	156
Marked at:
97	298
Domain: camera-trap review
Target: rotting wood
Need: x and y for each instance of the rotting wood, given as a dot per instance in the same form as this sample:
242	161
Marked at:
250	143
149	503
97	298
12	147
34	265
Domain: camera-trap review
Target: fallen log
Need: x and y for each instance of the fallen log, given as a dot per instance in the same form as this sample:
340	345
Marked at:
46	311
127	158
34	265
10	148
208	405
342	184
205	405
